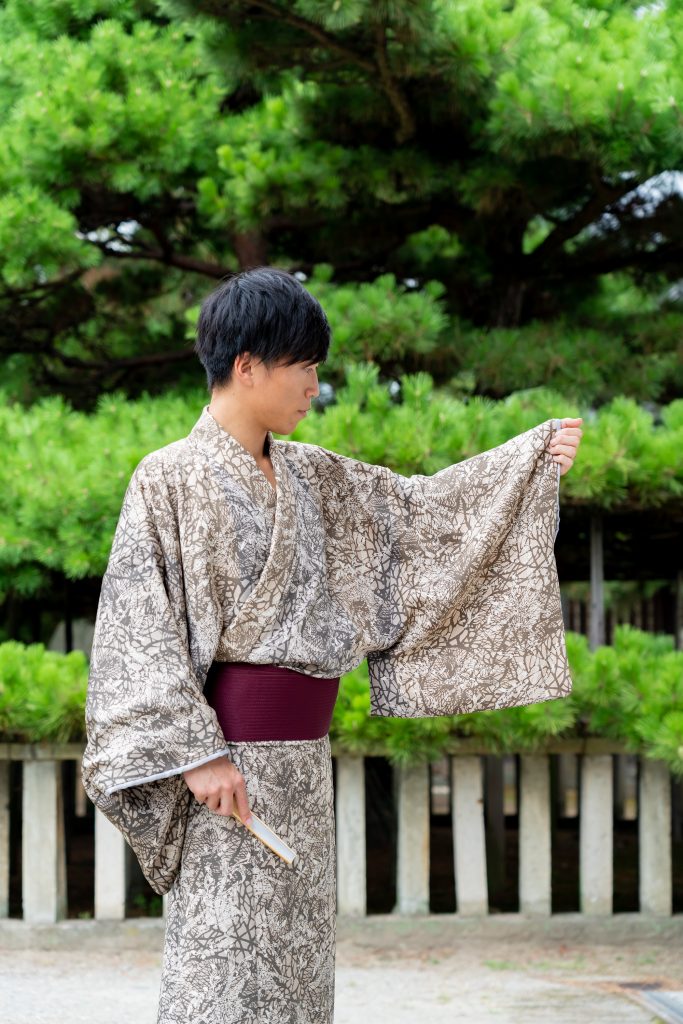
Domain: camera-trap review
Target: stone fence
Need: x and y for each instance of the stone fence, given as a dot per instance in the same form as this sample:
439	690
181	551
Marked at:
590	778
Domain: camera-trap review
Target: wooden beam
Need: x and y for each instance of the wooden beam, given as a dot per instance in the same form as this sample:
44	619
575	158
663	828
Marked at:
596	615
110	870
4	838
43	872
350	831
595	834
412	804
534	835
469	840
654	838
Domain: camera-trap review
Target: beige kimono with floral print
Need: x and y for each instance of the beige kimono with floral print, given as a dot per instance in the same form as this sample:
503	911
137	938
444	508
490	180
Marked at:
446	583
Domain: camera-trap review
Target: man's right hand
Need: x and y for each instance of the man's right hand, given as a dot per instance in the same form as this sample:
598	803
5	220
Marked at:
216	784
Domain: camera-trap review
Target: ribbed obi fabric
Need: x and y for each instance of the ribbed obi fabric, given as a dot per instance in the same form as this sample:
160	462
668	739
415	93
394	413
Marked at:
268	702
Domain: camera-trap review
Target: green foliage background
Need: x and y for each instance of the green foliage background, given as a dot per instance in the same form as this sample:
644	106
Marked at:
484	198
65	472
490	154
631	692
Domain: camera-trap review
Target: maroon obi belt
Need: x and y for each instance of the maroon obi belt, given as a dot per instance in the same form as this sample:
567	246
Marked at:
268	702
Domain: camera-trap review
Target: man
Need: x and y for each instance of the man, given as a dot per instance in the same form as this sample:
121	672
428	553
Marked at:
246	576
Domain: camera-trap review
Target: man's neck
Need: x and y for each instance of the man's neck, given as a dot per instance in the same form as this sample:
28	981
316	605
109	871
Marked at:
251	435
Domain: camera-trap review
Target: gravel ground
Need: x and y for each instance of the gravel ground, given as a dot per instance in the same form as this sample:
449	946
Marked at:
440	968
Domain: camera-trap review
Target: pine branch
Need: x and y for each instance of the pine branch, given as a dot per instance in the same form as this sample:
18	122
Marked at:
167	258
600	202
315	31
398	101
101	367
41	287
580	266
396	98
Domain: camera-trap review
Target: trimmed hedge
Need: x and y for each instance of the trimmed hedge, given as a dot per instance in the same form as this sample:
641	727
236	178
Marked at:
631	692
42	694
64	473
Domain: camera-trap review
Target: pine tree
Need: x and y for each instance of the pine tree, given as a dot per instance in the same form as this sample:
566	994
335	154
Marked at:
496	148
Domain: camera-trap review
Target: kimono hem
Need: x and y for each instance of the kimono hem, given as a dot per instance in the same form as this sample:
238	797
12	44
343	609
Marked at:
447	584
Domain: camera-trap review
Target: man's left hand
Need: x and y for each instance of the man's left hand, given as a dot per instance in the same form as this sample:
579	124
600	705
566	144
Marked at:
565	443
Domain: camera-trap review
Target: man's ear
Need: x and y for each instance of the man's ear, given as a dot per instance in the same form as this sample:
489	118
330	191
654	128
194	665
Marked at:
243	369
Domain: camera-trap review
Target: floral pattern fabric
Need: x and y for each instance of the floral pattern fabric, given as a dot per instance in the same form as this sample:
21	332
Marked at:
446	583
249	938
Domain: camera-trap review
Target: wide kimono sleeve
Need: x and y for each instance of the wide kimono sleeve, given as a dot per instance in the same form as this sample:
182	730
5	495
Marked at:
454	575
474	587
147	719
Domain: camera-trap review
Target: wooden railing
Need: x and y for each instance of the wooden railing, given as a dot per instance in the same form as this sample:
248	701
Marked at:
43	873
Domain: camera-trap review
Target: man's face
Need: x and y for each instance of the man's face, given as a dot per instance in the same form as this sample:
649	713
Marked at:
282	395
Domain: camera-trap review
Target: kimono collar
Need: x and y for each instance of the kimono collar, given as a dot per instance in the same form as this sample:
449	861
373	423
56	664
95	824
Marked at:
260	609
222	448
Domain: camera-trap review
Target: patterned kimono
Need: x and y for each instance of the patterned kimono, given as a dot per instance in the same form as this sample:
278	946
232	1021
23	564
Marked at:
446	583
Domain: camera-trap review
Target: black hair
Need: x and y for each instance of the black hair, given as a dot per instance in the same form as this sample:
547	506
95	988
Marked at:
264	311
